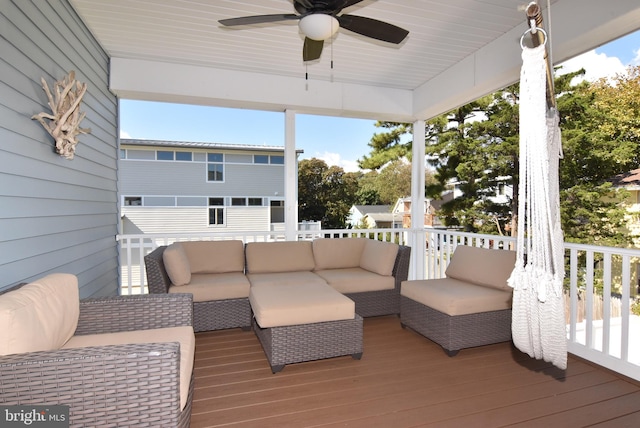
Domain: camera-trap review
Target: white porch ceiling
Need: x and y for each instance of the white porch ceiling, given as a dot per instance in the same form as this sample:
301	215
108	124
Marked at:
457	50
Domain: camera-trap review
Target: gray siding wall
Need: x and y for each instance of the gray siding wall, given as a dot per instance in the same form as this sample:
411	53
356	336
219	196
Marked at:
56	215
139	220
190	178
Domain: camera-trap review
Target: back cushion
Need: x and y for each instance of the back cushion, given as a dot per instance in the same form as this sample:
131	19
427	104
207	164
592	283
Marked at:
338	253
176	264
482	266
379	257
269	257
215	256
40	316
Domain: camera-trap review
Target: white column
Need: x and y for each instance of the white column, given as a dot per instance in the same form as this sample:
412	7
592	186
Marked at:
418	244
290	177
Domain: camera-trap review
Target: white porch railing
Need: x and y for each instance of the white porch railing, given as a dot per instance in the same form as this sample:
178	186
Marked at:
600	282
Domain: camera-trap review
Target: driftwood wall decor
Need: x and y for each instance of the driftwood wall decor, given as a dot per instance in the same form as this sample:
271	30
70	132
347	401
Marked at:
64	121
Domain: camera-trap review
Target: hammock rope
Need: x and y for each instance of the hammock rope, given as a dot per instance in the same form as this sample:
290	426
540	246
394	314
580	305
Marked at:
538	324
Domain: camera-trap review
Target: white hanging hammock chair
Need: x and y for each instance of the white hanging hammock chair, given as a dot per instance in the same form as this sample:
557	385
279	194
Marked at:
538	322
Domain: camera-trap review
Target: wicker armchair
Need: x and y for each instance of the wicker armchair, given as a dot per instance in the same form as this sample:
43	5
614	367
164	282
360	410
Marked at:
116	385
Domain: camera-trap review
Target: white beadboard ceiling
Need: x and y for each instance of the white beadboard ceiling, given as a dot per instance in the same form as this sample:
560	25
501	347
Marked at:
442	33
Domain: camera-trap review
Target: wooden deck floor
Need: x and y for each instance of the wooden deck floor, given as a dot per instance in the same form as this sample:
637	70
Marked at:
403	380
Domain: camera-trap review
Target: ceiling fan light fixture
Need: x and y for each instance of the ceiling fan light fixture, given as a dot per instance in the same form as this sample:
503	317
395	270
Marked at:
319	26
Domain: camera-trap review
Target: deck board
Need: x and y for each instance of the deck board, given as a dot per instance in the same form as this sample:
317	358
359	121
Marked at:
402	380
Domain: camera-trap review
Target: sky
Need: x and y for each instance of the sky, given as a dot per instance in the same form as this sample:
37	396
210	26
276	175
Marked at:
336	140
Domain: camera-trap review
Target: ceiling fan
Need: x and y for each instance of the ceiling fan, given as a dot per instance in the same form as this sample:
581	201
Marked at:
319	20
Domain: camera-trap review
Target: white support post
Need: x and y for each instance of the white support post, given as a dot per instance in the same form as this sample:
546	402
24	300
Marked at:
418	244
290	177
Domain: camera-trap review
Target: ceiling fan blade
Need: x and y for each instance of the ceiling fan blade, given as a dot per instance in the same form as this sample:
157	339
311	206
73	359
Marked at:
350	3
373	28
312	49
258	19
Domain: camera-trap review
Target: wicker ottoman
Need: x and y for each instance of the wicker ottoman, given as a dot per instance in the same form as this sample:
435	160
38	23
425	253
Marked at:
308	342
297	323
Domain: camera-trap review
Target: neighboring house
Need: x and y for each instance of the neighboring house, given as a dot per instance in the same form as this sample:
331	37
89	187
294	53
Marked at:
402	209
174	186
357	214
630	181
385	220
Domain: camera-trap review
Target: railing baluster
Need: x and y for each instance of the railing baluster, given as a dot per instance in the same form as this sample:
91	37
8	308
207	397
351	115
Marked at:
626	282
606	304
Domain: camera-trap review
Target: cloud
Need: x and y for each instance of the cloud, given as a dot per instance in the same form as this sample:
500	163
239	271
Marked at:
124	134
336	159
596	65
636	58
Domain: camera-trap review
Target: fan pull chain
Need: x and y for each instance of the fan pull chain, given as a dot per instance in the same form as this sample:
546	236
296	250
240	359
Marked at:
332	54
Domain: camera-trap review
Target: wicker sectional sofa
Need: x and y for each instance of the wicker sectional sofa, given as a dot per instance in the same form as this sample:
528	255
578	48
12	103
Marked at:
220	274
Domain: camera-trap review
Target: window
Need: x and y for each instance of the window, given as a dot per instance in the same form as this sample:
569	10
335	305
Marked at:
277	160
164	155
215	167
133	201
123	153
183	156
216	211
255	202
277	211
237	202
260	159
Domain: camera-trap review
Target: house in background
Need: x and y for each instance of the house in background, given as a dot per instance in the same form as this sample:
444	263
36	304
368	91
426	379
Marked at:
385	220
630	181
192	187
402	209
357	214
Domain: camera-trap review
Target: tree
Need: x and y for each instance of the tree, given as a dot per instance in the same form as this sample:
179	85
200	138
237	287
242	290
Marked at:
600	125
599	141
367	193
325	193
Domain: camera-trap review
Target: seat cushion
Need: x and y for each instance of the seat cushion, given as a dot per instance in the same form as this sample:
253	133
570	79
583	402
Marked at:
284	278
270	257
39	316
338	253
176	264
215	256
455	297
215	286
183	335
379	257
356	280
483	266
280	305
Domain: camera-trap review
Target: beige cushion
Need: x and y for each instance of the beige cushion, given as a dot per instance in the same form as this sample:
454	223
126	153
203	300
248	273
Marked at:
292	256
482	266
281	305
215	286
40	316
356	280
215	256
455	297
183	335
284	278
176	264
379	257
338	253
